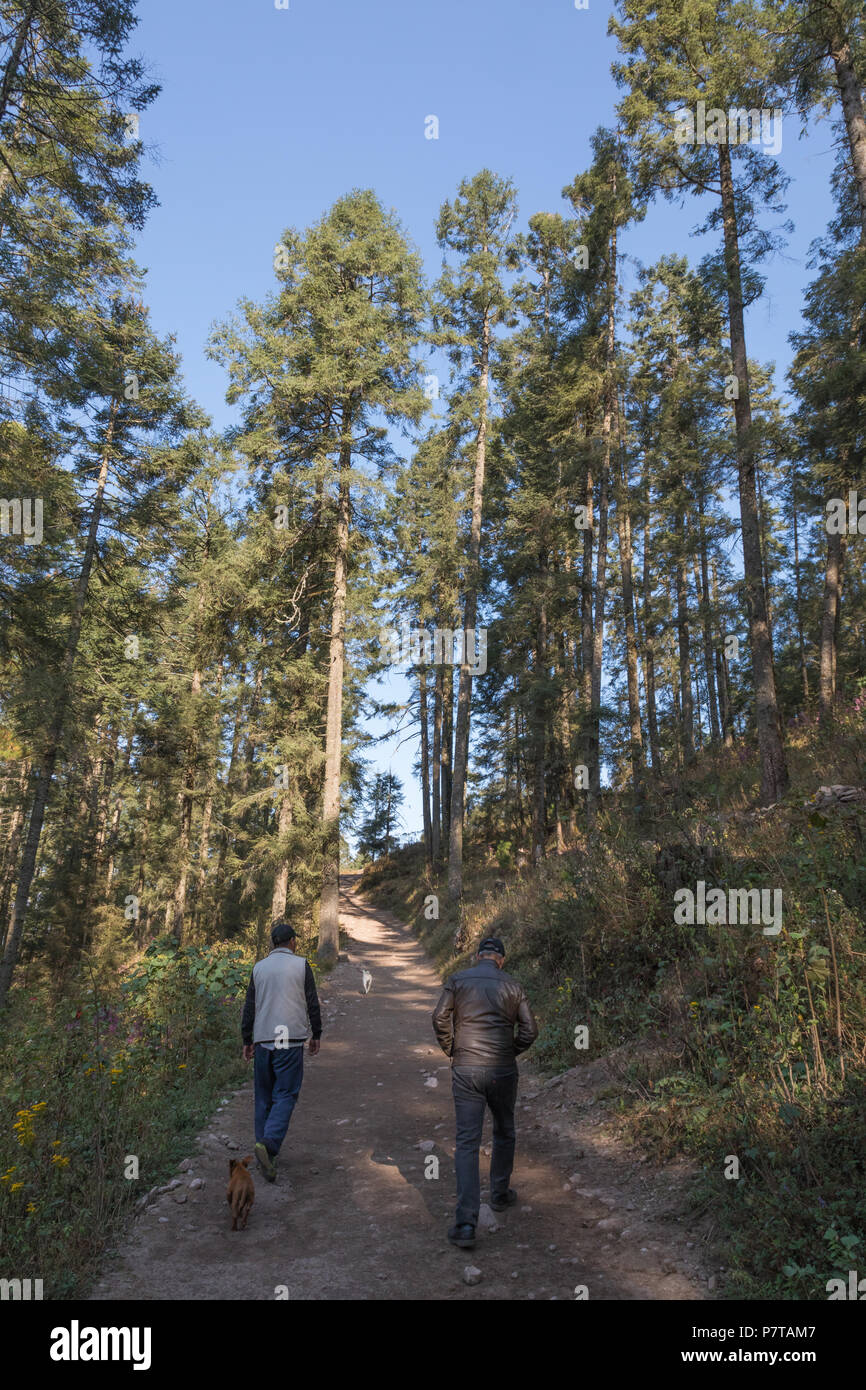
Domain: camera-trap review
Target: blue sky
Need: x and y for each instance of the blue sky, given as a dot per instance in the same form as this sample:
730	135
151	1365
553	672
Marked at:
267	116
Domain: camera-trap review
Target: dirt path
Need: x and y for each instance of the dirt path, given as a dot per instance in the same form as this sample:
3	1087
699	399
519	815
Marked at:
352	1215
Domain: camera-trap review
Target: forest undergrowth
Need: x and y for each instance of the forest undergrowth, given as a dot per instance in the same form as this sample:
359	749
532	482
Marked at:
746	1051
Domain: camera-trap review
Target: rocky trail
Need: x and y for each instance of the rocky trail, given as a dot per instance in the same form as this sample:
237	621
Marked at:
352	1214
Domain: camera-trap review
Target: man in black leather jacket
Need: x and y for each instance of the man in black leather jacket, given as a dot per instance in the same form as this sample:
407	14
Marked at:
474	1022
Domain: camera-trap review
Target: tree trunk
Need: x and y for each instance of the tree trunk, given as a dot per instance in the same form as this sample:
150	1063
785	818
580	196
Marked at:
470	615
702	584
329	909
768	583
650	636
230	782
586	606
238	890
12	846
447	749
722	674
518	779
111	844
142	909
10	72
281	878
829	619
707	652
565	783
804	674
436	826
774	772
623	518
207	808
677	707
538	725
850	93
425	768
203	851
177	906
594	794
687	719
99	835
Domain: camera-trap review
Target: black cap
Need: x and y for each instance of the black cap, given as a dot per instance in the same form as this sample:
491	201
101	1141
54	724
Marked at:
281	932
492	943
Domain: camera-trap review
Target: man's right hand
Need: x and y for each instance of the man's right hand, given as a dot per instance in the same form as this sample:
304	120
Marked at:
249	1051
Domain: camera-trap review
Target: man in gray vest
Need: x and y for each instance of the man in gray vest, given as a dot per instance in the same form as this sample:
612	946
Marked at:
281	1012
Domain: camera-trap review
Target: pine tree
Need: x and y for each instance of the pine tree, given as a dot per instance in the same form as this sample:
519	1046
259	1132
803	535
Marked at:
323	363
377	830
822	55
534	524
829	376
472	302
66	123
127	446
677	54
603	197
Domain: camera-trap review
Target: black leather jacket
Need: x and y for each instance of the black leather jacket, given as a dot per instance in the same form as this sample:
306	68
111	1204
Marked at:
475	1018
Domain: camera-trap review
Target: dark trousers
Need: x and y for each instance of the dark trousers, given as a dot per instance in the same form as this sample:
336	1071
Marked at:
278	1074
475	1088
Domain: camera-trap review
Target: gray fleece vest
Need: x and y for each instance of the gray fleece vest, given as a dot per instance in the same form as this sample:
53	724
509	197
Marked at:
281	1005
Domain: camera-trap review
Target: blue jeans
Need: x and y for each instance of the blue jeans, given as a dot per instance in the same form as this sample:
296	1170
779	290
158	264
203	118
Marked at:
474	1089
278	1075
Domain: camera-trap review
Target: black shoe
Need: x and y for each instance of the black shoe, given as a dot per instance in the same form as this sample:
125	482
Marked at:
500	1203
464	1236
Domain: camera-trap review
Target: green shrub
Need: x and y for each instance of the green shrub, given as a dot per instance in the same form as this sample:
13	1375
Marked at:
112	1075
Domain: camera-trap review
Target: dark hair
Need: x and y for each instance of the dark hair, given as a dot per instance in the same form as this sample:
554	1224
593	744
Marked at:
281	932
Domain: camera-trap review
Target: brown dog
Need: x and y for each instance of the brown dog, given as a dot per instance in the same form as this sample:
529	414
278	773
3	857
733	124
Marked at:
241	1191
